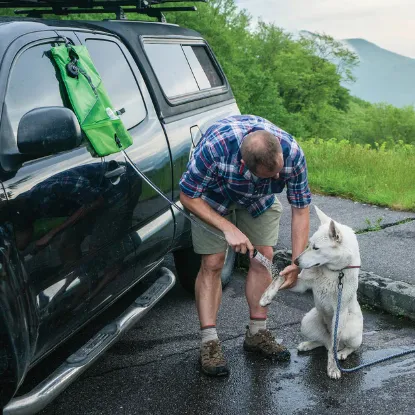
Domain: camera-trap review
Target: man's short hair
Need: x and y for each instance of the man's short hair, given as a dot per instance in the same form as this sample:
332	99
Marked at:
261	148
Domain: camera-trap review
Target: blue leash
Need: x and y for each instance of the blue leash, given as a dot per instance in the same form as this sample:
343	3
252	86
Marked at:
354	369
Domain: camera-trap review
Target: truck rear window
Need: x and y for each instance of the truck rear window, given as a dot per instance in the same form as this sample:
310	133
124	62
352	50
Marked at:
183	70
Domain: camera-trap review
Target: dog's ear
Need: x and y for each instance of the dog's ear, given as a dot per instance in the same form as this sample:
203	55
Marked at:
322	216
334	232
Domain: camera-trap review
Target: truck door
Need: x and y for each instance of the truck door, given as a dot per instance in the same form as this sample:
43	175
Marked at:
151	218
61	206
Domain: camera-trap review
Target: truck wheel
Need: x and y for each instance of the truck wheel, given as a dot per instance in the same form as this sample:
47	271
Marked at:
187	264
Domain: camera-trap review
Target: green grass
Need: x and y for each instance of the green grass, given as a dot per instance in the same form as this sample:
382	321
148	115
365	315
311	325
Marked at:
382	176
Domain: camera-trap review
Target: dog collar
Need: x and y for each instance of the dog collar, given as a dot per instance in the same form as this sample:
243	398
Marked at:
348	267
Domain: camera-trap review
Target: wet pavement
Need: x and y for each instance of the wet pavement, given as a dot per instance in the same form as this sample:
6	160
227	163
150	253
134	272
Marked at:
153	369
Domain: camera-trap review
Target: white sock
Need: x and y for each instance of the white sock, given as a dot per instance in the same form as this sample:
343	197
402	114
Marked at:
257	324
209	333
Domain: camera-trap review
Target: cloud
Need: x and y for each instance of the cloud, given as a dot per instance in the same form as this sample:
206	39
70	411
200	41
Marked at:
388	23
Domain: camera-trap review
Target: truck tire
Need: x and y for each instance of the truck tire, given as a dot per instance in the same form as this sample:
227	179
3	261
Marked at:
187	264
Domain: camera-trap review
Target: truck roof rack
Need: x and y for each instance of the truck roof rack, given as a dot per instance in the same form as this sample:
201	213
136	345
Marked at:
38	8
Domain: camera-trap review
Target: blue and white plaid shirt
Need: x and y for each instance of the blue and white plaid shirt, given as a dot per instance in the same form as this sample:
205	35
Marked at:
215	172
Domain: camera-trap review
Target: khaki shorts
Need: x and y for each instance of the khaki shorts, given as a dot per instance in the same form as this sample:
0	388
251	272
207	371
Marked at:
261	231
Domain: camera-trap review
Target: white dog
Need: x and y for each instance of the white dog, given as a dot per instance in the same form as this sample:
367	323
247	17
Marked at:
332	248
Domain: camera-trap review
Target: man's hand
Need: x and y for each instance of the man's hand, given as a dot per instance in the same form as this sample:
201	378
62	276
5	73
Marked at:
290	274
238	241
234	237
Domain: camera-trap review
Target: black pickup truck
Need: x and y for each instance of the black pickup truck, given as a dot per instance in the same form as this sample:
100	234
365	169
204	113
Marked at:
78	231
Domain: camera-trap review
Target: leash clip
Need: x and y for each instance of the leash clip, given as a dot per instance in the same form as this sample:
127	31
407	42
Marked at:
341	275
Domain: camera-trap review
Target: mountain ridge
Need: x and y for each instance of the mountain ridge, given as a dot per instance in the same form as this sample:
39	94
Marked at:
382	75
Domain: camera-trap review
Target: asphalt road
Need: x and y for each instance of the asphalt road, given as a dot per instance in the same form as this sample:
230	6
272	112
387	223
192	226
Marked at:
153	369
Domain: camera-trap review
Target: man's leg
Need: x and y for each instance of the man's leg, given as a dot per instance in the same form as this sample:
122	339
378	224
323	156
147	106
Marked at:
208	291
257	281
258	338
263	234
209	288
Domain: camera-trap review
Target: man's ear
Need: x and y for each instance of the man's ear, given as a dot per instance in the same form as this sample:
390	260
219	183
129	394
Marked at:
334	233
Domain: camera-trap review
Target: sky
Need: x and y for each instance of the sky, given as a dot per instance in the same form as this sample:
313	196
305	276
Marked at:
388	23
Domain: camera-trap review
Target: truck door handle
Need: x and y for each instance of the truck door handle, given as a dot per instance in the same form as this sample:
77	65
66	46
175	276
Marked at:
116	172
193	134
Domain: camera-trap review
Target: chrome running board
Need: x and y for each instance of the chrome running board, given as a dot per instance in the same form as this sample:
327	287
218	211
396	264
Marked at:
82	359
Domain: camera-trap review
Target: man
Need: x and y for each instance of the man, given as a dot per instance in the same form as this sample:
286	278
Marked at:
239	165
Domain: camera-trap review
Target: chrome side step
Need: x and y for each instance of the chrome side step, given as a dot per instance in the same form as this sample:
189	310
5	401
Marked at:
81	360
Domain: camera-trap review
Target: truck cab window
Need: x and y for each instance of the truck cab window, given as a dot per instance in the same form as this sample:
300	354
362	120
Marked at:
118	80
34	83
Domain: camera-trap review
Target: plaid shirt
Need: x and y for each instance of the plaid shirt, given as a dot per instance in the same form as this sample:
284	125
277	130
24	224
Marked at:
215	172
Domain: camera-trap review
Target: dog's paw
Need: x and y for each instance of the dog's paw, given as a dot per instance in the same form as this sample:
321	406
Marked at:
306	346
345	353
271	292
333	372
265	300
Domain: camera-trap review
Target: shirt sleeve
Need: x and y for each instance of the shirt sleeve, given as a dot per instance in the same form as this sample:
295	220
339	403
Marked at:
201	172
298	191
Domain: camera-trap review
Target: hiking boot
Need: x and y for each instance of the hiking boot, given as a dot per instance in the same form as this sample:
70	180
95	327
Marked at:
212	360
264	343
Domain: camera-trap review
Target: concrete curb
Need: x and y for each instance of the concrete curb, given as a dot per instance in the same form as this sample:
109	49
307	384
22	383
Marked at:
394	297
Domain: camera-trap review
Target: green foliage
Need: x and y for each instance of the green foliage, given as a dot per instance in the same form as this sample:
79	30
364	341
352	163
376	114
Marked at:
382	176
379	123
295	83
374	226
287	81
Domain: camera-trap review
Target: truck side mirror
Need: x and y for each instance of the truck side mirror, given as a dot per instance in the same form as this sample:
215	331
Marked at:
48	130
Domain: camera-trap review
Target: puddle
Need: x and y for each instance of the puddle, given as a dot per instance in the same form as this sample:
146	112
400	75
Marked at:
288	385
304	384
376	375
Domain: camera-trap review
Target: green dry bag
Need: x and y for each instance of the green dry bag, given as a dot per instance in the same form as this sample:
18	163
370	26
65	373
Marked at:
90	101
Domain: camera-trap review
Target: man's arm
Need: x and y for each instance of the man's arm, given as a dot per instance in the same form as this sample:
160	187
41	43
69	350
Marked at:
299	196
300	227
235	238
